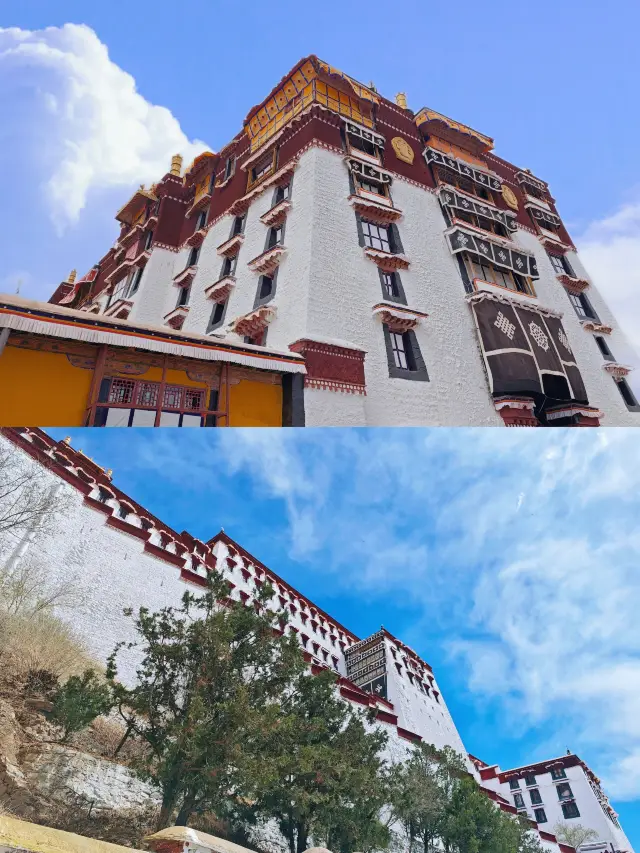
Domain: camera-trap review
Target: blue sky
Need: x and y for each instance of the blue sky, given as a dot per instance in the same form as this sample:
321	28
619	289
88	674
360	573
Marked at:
507	559
91	112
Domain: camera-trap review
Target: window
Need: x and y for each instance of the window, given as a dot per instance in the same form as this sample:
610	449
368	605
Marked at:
263	168
558	773
361	144
123	512
486	271
183	296
230	167
217	315
564	791
135	281
376	236
536	799
626	393
390	285
194	254
480	222
401	352
275	236
282	193
238	225
529	779
570	810
519	801
258	340
448	176
103	495
541	815
265	288
371	186
514	784
533	191
148	241
582	306
561	265
121	391
603	346
229	266
201	221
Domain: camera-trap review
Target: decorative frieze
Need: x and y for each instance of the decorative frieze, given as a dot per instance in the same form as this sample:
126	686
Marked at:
490	181
219	291
596	326
365	133
454	198
251	325
277	214
268	262
381	214
516	412
184	278
572	284
519	261
398	318
387	261
176	318
331	366
231	246
197	238
543	218
618	371
368	171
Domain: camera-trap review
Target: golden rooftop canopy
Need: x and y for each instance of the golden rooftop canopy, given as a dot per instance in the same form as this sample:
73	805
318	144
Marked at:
436	124
135	207
311	81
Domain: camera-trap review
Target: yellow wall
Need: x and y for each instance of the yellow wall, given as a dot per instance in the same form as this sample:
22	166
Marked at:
41	389
255	404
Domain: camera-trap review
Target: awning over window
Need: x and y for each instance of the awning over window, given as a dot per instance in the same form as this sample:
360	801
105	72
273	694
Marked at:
543	217
477	175
450	197
367	171
526	350
364	133
465	240
527	178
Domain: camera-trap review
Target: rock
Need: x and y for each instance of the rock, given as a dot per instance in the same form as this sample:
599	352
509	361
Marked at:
60	773
39	705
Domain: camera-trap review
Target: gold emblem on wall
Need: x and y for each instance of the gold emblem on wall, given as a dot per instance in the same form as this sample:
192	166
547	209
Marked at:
402	148
509	196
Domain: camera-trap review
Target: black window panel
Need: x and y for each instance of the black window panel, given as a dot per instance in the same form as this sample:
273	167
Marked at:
518	800
135	282
217	314
536	799
183	296
626	393
570	810
376	236
266	287
404	358
148	241
401	348
558	773
582	306
529	779
603	346
541	815
238	226
282	194
514	784
194	254
564	791
202	220
275	236
363	145
229	167
229	266
371	186
390	287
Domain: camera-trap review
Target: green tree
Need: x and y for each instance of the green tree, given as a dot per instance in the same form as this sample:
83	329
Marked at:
79	701
321	771
209	680
473	824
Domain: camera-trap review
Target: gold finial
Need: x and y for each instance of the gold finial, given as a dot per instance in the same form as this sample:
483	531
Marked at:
176	165
67	440
142	187
372	86
109	472
72	276
401	100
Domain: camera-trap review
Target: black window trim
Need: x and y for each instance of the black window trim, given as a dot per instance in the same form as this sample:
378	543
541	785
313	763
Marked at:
420	374
401	298
266	299
211	325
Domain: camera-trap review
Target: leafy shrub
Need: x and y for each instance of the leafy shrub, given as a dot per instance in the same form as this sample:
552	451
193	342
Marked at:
79	701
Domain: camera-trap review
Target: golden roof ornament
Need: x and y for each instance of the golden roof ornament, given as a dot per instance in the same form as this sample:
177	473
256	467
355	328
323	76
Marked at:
67	440
176	165
72	276
401	100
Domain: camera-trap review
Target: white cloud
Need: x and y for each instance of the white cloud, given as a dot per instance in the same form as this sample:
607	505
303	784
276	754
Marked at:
610	250
100	131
